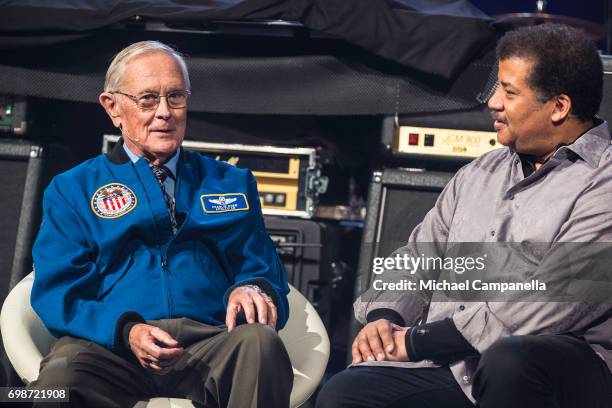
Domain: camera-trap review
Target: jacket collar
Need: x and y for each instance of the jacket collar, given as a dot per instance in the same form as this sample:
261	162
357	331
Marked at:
118	155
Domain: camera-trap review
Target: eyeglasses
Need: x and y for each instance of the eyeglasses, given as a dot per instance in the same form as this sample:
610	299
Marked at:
150	101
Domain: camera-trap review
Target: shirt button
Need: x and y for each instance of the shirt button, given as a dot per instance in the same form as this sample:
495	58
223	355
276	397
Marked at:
492	233
163	265
461	307
466	379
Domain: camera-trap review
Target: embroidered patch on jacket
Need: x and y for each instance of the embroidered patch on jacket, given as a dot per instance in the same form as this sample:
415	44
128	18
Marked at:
218	203
113	200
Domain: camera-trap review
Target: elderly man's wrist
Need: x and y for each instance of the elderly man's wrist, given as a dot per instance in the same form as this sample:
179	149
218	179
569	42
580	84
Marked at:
252	286
264	287
125	324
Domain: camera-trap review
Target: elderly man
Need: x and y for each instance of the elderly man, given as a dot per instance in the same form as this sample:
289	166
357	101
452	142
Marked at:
149	256
549	188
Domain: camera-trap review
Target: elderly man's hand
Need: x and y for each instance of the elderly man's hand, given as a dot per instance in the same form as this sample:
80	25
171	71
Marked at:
155	349
378	341
255	303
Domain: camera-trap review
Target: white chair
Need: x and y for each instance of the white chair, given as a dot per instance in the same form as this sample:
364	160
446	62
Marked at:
26	340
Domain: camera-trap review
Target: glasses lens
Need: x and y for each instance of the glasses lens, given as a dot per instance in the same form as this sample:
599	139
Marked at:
148	101
177	99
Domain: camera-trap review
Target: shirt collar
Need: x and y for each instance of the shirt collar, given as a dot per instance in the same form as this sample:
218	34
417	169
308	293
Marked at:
592	144
170	164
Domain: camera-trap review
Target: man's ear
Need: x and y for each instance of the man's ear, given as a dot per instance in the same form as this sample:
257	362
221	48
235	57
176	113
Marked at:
107	100
561	109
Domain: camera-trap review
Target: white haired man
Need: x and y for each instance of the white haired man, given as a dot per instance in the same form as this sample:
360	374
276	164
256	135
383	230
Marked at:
148	256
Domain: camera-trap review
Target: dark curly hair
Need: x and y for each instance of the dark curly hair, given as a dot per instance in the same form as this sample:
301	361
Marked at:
565	61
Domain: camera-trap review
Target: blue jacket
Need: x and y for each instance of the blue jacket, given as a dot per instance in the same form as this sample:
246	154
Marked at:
106	254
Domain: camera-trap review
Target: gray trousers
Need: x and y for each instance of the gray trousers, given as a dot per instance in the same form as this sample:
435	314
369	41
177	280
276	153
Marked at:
246	368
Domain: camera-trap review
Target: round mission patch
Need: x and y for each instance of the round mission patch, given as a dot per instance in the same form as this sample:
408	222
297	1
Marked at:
113	200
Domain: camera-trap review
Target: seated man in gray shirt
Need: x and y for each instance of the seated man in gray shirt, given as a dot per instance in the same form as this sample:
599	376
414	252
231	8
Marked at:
549	188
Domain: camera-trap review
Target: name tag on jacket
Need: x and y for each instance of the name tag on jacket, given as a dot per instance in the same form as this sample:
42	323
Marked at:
219	203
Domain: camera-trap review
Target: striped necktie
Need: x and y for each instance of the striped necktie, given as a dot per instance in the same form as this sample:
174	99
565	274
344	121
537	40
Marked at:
161	174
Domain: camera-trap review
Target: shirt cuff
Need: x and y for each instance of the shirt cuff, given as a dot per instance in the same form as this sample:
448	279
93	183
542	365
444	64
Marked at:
388	314
438	341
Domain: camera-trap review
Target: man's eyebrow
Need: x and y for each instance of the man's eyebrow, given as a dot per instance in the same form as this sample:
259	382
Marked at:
155	91
506	84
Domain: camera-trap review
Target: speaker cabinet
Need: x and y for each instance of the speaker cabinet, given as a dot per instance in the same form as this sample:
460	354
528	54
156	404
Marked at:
21	168
25	170
319	259
397	202
398	199
309	251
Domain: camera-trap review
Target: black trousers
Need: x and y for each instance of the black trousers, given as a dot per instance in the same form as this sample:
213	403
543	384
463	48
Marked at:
559	371
248	368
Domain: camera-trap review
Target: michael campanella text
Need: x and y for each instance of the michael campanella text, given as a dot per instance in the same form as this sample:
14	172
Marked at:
444	285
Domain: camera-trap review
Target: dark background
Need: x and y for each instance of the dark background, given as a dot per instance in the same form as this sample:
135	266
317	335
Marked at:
351	143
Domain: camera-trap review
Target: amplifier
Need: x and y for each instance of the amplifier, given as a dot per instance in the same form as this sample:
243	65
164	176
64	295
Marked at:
436	142
25	170
319	261
13	115
289	179
398	200
309	251
21	165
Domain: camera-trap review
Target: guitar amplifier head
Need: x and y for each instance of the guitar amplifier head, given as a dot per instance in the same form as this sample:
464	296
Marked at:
289	179
437	140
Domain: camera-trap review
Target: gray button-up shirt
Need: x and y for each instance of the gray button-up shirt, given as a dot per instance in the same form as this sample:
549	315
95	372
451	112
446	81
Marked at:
568	200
